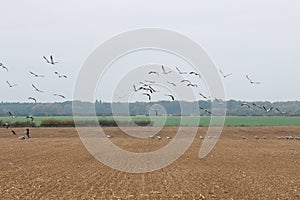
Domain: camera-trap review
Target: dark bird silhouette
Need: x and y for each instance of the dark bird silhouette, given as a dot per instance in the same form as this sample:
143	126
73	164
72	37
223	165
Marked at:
180	72
252	82
36	75
245	104
30	117
60	75
225	75
151	89
137	89
32	98
218	100
185	80
11	85
267	110
36	88
205	110
192	85
149	96
144	84
153	72
51	61
171	83
146	89
11	114
277	109
164	71
195	73
258	106
172	97
27	133
134	88
202	95
3	67
13	132
60	95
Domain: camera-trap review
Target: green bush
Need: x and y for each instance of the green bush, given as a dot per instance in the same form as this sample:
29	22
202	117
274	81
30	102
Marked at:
57	123
108	123
20	124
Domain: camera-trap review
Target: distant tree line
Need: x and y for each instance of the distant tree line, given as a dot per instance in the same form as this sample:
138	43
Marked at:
234	108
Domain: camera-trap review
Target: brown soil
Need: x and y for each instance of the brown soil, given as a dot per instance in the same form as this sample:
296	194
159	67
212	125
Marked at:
54	164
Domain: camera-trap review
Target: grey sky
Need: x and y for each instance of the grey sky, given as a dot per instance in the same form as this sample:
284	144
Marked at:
259	38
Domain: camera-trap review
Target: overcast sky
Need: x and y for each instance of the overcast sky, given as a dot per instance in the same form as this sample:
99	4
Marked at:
259	38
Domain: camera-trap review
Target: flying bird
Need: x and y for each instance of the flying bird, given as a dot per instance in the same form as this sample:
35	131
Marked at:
164	71
171	83
149	96
202	95
36	88
62	96
60	75
192	85
218	100
245	104
180	72
252	82
30	117
225	75
277	109
11	85
36	75
134	88
151	89
205	110
172	97
51	61
32	98
195	73
258	106
267	110
13	132
153	72
11	114
3	67
185	80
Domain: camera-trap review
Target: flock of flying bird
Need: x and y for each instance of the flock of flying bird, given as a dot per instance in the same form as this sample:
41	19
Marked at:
50	61
148	88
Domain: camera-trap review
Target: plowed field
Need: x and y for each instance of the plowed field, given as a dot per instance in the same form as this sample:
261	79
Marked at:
54	164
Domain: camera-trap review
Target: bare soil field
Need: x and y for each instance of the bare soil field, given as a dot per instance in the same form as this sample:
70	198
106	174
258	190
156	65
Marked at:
54	164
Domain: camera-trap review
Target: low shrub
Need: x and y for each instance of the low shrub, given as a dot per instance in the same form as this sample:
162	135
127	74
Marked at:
20	124
57	123
107	123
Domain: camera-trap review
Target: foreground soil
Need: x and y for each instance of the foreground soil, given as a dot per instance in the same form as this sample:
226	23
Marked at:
54	164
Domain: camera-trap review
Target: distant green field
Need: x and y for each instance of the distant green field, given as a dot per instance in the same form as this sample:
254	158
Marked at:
186	121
